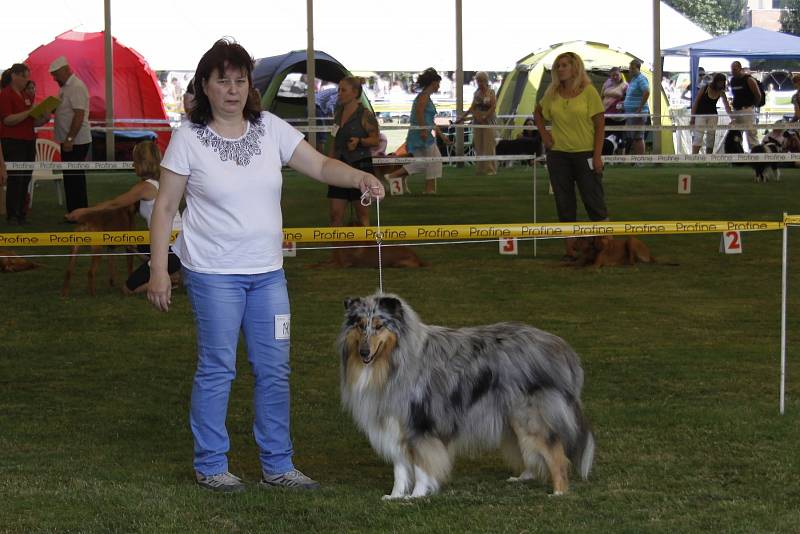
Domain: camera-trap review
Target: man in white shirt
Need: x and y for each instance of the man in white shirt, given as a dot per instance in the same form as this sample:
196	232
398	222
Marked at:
72	130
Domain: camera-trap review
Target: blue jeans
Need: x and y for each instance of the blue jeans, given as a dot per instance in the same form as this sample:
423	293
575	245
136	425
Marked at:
224	305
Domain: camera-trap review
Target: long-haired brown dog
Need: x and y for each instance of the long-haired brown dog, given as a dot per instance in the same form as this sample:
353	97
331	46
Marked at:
117	220
605	251
365	254
11	263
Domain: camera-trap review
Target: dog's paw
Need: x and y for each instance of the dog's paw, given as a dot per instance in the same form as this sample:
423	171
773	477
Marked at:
393	497
556	494
526	475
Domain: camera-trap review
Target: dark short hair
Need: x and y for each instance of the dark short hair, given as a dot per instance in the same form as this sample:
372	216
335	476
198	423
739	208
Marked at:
637	63
225	53
5	78
719	77
19	68
427	77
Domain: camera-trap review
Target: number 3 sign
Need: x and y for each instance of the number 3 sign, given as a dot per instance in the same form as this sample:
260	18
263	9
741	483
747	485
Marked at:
731	242
395	186
508	246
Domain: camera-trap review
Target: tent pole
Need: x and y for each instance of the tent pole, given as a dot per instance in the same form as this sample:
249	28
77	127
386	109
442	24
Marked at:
109	53
657	74
311	73
459	81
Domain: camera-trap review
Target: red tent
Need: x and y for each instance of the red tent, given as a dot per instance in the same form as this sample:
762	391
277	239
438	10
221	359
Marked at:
137	94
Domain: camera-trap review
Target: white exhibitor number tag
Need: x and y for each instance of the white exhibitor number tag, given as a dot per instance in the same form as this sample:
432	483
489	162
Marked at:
289	249
282	326
335	130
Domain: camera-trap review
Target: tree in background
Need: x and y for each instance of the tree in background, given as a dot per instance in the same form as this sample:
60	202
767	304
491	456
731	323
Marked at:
714	16
790	18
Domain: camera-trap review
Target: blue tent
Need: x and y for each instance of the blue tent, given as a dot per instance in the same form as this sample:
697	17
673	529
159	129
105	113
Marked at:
751	43
269	68
269	72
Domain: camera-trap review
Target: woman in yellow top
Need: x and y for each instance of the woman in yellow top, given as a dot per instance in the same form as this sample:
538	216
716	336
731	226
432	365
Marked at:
574	145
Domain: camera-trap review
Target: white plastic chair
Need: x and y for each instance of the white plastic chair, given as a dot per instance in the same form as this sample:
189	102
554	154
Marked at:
46	151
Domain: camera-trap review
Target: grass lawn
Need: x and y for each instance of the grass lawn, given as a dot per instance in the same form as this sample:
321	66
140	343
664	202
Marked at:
681	362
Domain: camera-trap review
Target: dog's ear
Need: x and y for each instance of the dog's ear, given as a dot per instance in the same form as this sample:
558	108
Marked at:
350	302
392	306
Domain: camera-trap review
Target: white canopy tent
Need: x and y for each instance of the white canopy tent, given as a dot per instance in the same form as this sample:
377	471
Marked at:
364	35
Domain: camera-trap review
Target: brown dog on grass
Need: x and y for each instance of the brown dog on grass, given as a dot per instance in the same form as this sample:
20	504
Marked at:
117	220
11	263
366	255
605	251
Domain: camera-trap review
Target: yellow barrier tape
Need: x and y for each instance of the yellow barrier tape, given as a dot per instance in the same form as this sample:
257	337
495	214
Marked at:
419	233
791	219
70	239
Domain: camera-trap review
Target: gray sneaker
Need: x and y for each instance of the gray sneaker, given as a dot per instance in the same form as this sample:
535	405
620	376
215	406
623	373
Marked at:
222	482
293	479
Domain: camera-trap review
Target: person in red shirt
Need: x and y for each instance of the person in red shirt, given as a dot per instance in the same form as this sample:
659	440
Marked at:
18	139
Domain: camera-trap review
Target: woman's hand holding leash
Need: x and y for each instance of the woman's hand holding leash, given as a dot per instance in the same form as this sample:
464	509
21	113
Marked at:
159	290
370	188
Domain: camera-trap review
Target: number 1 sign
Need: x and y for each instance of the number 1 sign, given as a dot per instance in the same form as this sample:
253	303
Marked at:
684	184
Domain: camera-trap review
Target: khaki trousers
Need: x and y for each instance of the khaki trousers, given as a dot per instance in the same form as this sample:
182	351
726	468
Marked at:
484	143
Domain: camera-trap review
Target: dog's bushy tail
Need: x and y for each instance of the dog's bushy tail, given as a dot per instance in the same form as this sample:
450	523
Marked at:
583	455
564	415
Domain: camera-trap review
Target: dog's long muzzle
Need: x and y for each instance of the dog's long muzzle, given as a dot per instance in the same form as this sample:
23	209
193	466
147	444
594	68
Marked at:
366	353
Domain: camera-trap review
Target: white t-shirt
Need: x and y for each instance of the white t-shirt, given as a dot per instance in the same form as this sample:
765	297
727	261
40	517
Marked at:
232	223
73	95
146	209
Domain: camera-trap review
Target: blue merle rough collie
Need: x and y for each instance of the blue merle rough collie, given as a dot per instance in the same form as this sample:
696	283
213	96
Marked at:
423	393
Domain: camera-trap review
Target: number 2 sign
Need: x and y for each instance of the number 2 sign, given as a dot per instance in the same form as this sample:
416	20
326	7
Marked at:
731	242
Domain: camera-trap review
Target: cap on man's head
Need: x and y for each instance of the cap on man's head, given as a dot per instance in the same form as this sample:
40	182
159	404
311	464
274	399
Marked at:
57	63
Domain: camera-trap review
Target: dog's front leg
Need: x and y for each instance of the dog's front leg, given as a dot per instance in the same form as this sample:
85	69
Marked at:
424	484
403	480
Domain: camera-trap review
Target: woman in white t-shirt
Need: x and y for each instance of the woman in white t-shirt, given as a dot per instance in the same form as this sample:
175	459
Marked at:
227	161
146	165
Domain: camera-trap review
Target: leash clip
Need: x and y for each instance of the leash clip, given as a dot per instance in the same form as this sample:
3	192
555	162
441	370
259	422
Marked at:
366	198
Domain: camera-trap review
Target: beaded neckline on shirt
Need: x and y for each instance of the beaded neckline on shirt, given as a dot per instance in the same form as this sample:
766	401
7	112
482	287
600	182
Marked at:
240	150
